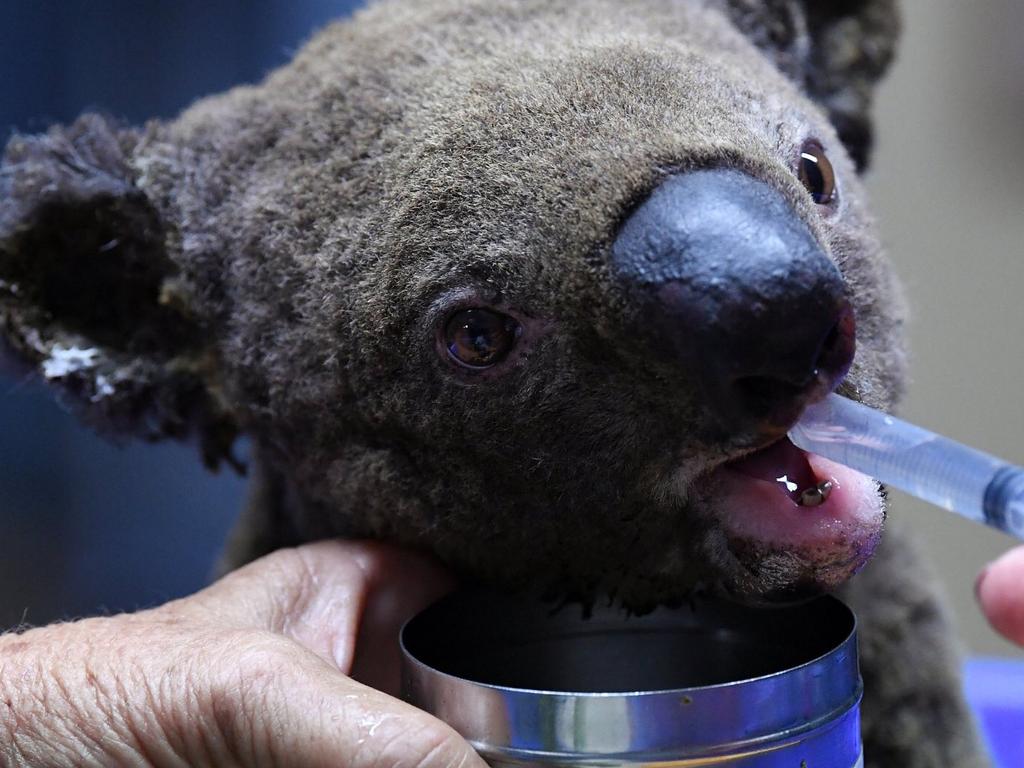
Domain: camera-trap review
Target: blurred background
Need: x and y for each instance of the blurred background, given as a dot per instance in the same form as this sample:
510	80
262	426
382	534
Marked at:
87	526
947	185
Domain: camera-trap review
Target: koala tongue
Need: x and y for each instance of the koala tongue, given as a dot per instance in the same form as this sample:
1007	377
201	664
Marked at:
782	463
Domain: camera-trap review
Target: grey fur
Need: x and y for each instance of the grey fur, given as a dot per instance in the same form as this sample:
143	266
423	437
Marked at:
296	243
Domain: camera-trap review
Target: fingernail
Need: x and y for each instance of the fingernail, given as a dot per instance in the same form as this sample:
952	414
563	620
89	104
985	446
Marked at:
980	580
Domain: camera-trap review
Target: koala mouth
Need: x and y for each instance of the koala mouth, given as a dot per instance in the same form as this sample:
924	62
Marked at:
788	468
781	505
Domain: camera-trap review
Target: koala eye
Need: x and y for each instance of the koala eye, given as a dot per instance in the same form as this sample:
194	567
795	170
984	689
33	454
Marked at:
816	174
480	338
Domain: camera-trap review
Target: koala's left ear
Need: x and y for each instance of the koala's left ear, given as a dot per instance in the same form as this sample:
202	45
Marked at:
836	50
89	297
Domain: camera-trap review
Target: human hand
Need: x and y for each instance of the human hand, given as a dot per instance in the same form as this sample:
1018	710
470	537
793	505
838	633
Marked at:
259	669
1000	590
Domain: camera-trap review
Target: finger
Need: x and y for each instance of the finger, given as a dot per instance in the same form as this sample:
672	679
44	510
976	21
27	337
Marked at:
1000	590
279	704
316	594
313	594
400	584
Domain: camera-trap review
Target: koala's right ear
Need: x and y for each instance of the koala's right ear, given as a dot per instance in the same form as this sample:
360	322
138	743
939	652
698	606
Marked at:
89	296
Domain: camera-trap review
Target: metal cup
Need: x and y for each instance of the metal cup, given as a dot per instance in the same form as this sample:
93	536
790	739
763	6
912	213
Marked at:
710	685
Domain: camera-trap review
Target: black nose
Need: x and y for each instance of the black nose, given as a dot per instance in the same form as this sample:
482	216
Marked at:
728	282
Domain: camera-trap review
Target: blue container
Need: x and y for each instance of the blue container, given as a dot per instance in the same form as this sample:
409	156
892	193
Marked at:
717	684
995	689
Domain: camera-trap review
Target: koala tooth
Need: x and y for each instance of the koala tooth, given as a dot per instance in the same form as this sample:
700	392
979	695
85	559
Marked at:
812	497
815	495
825	489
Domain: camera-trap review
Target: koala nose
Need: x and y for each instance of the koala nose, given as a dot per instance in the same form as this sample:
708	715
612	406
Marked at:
728	282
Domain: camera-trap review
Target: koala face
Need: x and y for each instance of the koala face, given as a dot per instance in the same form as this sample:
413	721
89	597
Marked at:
536	286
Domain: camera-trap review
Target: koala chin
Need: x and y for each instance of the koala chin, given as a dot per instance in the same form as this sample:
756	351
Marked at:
536	286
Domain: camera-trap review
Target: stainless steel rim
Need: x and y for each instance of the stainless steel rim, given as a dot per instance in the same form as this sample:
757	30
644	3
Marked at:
536	724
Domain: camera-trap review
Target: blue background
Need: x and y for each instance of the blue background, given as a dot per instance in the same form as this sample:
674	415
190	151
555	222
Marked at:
85	525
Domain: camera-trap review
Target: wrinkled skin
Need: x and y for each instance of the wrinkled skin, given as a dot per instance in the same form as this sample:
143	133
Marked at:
280	260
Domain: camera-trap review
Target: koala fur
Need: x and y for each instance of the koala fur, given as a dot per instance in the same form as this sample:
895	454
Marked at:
276	263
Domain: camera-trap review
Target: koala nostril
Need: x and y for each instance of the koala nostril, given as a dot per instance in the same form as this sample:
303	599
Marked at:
836	355
778	396
727	281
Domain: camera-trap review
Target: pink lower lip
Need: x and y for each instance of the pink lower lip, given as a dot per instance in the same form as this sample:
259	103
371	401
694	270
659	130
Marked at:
764	511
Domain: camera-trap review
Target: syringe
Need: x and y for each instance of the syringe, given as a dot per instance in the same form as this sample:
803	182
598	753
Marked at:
961	479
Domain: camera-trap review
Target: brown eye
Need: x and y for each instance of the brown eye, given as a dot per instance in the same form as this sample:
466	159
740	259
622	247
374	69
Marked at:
816	173
479	338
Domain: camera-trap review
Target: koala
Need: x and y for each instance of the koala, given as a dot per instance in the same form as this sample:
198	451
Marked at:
537	286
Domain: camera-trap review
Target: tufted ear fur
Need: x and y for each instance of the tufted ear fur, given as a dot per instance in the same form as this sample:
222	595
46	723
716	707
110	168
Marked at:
836	50
88	295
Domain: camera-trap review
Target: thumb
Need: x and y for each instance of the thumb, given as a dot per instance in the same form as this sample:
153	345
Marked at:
1000	591
333	597
296	709
282	694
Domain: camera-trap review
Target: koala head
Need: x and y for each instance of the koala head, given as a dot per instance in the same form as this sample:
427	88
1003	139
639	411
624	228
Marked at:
537	286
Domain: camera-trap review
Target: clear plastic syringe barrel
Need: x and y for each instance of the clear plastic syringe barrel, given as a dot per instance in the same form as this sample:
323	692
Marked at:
936	469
